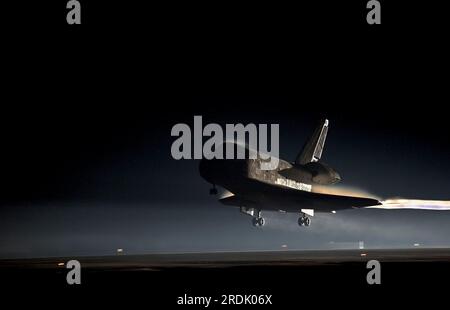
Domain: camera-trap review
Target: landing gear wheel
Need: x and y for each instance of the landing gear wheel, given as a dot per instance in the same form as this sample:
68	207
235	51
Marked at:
258	221
261	221
307	221
304	221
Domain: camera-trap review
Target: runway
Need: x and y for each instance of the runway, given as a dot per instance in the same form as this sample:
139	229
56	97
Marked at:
155	262
289	276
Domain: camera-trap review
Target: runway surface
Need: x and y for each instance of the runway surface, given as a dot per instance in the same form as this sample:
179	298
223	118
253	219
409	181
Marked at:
234	259
292	278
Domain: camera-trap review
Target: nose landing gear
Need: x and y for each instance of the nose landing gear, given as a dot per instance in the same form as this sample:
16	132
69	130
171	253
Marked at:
258	221
304	221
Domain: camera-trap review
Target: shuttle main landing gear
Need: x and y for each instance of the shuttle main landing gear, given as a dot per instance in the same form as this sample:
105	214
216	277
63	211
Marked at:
304	221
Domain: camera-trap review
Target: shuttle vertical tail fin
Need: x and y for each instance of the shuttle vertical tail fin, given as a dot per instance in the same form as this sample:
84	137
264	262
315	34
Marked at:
312	151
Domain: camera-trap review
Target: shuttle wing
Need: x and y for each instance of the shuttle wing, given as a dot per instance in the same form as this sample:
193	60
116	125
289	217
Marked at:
273	197
328	203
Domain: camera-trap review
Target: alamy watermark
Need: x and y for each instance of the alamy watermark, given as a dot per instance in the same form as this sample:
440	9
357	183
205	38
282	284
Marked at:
374	275
74	275
73	16
234	134
374	15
